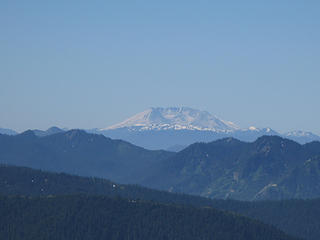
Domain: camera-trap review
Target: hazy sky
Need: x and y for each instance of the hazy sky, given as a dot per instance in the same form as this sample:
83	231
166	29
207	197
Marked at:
85	64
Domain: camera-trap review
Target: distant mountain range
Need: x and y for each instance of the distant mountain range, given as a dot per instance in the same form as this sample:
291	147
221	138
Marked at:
49	131
37	132
166	128
174	128
7	131
269	168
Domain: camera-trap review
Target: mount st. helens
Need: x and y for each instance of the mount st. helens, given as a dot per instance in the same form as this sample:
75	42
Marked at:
174	128
177	119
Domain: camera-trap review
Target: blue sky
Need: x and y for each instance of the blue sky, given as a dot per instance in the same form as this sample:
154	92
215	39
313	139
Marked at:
85	64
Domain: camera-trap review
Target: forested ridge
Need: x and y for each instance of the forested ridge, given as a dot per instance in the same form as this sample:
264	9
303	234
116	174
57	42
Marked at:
81	153
94	217
296	217
270	168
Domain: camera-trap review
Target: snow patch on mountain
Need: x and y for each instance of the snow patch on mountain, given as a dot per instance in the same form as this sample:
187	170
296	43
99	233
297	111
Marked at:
252	128
299	133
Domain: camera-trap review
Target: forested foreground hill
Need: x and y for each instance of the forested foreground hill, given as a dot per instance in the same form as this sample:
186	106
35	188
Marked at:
25	181
295	217
83	217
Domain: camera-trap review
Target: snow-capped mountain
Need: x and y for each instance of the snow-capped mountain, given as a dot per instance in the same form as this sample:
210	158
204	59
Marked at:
163	128
302	136
177	118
